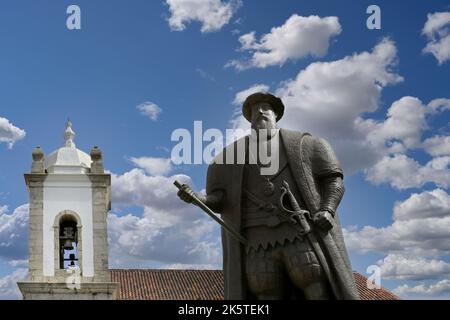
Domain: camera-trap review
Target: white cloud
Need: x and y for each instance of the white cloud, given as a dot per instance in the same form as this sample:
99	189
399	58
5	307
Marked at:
14	232
405	123
212	14
8	284
435	23
421	228
404	126
153	166
298	37
330	96
399	267
403	172
167	232
439	105
430	236
9	133
138	189
413	244
148	239
428	204
22	263
402	131
205	75
437	290
437	145
437	31
150	110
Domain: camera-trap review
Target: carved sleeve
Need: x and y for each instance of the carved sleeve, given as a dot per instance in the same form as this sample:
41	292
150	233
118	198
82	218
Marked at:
215	190
324	161
214	200
329	175
332	190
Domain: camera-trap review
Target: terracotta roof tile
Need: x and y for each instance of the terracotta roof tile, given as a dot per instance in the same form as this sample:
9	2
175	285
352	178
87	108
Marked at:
142	284
159	284
372	294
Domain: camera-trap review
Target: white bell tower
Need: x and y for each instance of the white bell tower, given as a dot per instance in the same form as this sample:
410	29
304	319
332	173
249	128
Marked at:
70	196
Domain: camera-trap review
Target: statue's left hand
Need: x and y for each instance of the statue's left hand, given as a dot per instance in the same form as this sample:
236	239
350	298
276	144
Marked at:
323	220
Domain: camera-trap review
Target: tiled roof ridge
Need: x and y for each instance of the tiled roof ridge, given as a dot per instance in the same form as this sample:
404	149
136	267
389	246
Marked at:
198	284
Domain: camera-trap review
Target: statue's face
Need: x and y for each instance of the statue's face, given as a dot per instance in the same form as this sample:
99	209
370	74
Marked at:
263	116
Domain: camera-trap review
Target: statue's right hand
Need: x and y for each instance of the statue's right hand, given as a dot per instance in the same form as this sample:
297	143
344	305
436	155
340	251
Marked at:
186	193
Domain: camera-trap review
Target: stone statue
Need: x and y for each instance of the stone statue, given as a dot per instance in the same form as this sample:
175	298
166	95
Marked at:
295	248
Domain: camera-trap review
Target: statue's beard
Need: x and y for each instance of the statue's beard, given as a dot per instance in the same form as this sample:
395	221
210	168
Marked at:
264	128
264	123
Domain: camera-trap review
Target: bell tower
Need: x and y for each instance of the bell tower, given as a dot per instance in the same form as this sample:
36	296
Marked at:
69	196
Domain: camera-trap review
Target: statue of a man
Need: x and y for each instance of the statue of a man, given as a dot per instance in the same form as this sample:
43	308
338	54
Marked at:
281	259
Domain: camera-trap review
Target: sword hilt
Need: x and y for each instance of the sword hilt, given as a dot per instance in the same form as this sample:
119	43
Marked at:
296	215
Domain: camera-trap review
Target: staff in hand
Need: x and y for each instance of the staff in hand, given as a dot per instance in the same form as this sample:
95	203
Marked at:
188	195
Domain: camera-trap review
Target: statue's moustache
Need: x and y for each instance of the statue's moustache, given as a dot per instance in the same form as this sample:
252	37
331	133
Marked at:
263	116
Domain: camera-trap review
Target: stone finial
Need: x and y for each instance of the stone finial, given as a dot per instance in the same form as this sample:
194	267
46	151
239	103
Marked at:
96	154
38	161
69	135
97	160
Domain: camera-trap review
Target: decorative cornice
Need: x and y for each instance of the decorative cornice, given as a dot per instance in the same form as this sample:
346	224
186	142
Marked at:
32	179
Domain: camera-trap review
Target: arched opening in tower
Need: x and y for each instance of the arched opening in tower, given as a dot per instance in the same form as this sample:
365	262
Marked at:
68	243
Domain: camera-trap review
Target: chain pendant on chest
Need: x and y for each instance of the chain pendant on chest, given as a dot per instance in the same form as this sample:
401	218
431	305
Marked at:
268	188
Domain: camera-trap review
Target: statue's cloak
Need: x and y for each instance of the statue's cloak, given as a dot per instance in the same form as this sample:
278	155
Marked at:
310	160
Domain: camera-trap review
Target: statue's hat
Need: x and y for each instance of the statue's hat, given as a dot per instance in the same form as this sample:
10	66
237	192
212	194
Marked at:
259	97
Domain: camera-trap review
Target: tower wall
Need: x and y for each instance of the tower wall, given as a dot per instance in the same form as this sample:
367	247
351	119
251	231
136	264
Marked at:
101	204
67	193
35	183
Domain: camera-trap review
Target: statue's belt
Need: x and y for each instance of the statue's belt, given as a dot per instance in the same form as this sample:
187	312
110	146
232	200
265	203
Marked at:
261	219
264	214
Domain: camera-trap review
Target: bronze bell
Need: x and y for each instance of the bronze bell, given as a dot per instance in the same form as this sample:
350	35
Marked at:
72	259
68	245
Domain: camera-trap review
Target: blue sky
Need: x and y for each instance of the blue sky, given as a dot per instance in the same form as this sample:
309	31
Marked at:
369	92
